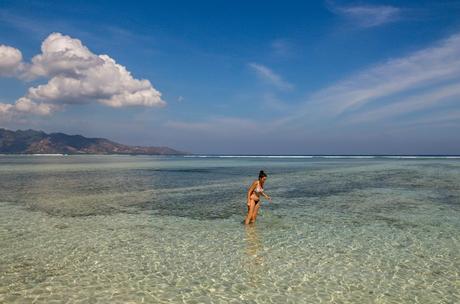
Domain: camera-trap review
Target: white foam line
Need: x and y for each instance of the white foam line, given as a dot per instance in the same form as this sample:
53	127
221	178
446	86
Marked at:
56	154
250	156
35	154
327	156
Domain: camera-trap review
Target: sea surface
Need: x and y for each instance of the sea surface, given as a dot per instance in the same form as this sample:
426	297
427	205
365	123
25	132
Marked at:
154	229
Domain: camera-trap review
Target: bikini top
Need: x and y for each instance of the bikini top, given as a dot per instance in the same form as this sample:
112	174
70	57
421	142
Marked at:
258	189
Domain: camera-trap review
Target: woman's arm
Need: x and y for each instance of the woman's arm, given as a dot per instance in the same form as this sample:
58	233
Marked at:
266	196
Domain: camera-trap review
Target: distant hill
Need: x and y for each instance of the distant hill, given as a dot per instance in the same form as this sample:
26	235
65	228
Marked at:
39	142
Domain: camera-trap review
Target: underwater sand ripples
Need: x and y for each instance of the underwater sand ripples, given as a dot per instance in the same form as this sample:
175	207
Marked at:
169	231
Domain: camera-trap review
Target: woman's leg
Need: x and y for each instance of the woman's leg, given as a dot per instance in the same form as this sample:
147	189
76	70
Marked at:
254	213
250	211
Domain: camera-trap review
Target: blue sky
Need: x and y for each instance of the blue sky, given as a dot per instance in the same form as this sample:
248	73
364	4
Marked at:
237	77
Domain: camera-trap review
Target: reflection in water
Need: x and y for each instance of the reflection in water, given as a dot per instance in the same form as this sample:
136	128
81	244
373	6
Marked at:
255	259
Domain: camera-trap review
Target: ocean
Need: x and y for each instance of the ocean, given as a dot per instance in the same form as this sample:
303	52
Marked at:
168	229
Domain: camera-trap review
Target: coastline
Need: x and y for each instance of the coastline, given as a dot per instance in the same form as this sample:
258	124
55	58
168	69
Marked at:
247	156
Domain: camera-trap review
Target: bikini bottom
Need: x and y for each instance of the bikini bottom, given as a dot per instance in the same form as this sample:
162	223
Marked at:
255	203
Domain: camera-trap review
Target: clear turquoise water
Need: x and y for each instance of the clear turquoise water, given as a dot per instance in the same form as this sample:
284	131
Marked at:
125	229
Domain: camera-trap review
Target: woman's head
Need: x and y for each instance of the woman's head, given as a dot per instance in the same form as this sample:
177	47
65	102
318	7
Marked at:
262	175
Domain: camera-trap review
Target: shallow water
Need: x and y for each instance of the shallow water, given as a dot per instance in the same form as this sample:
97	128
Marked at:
121	229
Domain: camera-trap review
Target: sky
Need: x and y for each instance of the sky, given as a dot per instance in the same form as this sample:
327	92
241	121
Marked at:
237	77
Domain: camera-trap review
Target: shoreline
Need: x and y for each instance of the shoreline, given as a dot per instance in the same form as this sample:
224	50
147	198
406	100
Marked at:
326	156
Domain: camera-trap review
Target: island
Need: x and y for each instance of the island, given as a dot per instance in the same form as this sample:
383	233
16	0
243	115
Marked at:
38	142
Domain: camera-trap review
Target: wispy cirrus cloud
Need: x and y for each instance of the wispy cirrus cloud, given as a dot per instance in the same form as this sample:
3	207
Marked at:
270	76
281	48
448	117
434	97
21	23
215	125
426	79
367	16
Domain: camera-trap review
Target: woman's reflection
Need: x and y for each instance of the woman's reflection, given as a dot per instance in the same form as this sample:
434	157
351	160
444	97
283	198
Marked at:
255	259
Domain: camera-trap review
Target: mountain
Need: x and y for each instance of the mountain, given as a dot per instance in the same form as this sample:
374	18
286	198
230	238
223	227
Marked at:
39	142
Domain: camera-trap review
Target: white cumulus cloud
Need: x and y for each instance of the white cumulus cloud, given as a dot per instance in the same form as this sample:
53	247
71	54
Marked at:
24	106
76	76
10	61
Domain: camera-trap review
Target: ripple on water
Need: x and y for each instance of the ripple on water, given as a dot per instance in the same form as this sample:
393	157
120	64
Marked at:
368	231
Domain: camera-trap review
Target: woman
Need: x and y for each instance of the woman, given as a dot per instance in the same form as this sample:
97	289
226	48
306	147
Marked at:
254	193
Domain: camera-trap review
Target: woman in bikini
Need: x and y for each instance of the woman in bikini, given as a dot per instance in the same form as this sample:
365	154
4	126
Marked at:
254	193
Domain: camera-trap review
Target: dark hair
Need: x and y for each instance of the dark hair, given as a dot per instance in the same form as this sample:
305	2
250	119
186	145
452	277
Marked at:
262	174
